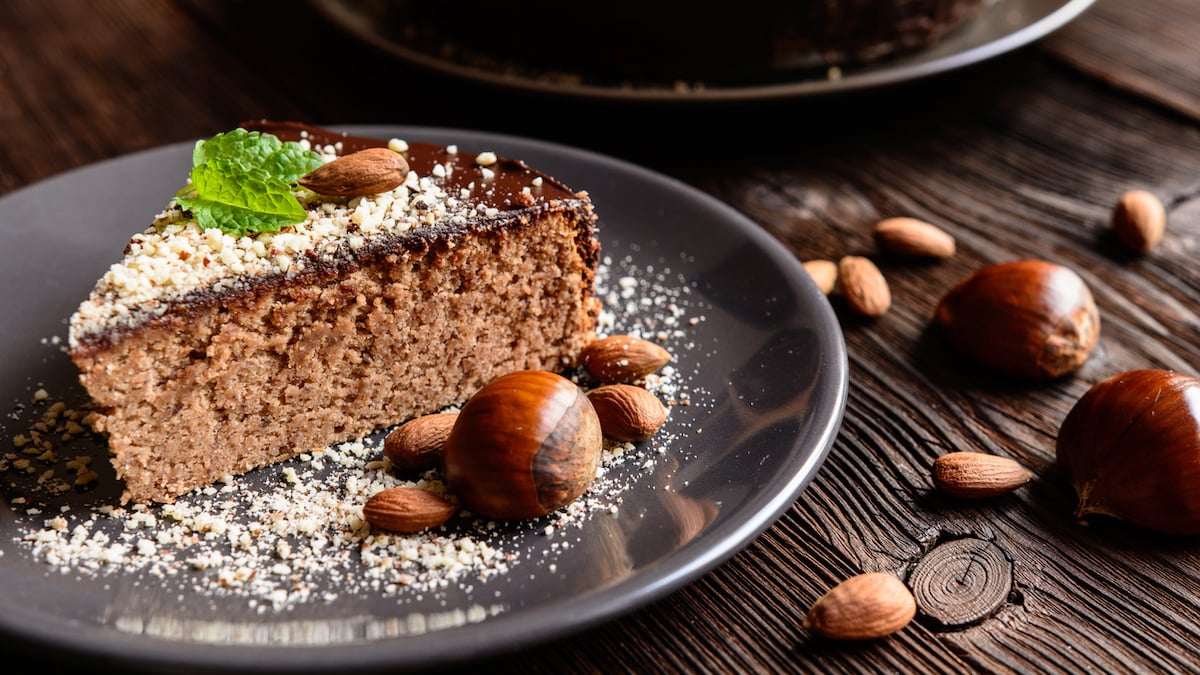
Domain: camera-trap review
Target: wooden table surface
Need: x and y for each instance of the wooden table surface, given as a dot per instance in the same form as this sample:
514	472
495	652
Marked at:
1020	157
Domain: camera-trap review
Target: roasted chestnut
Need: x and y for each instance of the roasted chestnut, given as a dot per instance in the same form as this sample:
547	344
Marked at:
1131	446
523	446
1028	318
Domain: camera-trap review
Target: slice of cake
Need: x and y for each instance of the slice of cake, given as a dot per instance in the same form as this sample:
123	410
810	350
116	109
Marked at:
209	351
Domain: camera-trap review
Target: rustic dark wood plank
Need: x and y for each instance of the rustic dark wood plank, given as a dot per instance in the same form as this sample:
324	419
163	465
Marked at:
1021	157
1158	56
71	99
1017	171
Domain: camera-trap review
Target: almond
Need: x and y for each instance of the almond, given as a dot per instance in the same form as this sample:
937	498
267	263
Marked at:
1138	220
366	172
863	286
406	509
912	237
627	412
622	358
417	444
863	607
977	475
824	273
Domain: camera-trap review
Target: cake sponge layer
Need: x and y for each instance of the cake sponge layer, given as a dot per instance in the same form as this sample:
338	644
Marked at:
223	383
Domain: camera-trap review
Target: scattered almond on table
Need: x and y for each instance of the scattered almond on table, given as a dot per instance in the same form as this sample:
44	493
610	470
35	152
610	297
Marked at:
978	475
824	273
863	286
912	237
864	607
1139	220
860	280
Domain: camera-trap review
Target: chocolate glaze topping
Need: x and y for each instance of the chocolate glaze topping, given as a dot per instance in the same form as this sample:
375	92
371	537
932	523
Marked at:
501	191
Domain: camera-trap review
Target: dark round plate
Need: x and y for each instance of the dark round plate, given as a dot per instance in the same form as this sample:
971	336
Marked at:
766	366
1003	27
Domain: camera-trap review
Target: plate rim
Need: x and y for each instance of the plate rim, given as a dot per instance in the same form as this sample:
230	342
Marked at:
666	575
873	78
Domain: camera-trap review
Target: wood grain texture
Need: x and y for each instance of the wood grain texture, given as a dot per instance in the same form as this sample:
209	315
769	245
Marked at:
1022	157
1158	57
961	582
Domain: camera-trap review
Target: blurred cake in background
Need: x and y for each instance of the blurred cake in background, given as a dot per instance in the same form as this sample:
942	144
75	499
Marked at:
641	41
837	32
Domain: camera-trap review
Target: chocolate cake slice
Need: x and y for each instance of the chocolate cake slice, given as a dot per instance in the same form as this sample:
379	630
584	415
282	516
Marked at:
208	353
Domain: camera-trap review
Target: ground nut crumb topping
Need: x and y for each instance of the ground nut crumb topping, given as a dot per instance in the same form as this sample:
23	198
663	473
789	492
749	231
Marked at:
174	257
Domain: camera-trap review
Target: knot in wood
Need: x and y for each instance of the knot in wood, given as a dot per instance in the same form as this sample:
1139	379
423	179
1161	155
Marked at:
961	582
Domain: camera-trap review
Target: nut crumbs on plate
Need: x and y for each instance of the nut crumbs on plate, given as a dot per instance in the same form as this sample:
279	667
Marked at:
287	536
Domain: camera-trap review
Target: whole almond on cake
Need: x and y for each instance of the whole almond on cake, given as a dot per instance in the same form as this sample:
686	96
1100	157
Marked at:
366	172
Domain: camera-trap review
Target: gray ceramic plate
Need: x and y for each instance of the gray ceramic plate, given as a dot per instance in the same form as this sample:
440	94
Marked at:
1003	27
766	368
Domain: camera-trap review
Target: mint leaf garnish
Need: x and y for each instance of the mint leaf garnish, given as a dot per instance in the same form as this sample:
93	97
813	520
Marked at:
242	182
251	147
291	162
239	200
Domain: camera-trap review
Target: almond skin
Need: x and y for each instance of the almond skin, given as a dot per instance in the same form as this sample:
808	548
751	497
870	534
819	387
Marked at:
417	444
406	510
977	475
863	286
824	273
366	172
627	412
863	607
1138	220
622	358
912	237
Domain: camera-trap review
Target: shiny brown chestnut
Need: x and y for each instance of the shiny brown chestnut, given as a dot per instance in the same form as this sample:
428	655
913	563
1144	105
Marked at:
1131	446
1031	319
523	446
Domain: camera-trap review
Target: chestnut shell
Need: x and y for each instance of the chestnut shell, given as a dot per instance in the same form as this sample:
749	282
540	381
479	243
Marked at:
1028	318
1131	446
523	446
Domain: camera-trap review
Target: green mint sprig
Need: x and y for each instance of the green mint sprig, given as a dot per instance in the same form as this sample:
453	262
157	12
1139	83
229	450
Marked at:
242	182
